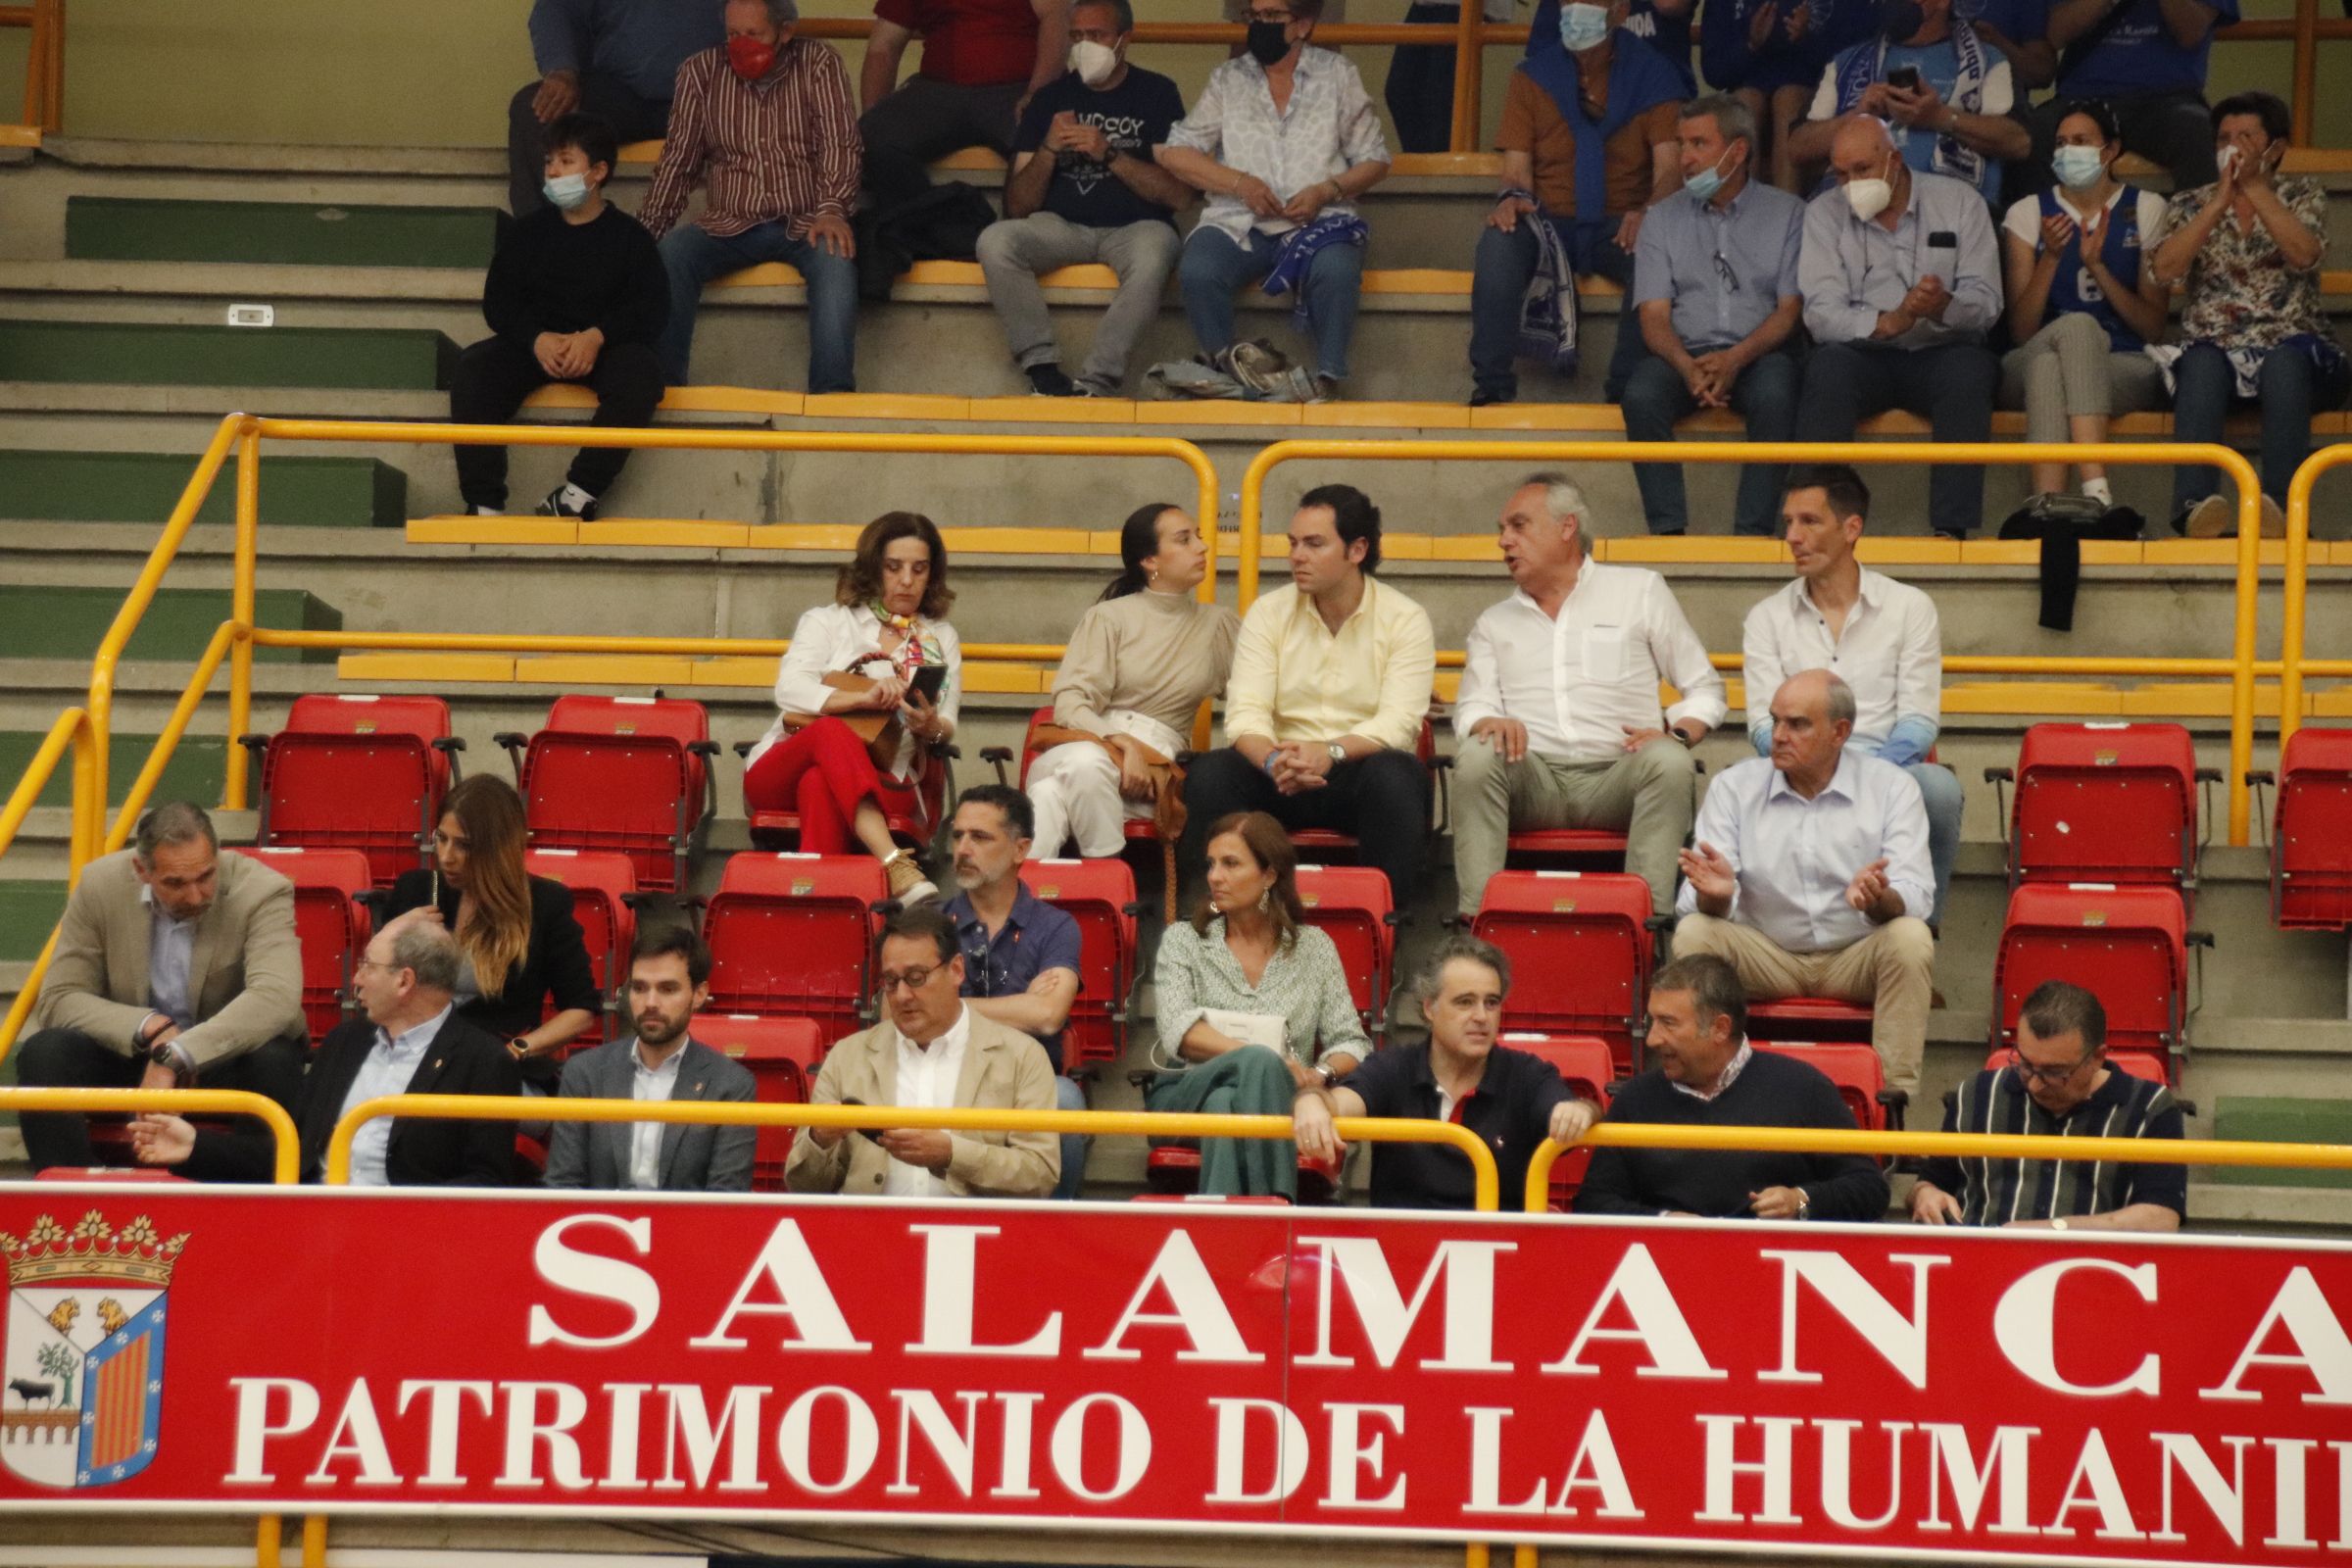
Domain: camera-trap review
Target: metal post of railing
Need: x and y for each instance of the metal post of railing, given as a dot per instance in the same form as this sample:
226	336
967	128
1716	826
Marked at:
2307	71
1469	75
242	596
191	697
2294	606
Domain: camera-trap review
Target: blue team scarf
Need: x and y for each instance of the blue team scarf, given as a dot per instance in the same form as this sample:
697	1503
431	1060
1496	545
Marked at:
1865	63
1640	79
1298	248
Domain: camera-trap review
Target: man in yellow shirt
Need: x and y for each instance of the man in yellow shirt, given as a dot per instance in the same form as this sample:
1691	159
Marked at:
1330	688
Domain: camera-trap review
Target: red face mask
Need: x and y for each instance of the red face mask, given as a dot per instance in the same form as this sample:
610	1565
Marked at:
751	59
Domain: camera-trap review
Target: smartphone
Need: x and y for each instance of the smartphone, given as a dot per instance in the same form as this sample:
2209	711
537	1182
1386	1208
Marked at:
1944	256
1905	77
927	680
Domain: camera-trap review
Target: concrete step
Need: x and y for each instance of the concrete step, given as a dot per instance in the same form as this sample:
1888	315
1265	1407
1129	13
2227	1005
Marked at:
58	621
184	354
28	911
144	486
2299	1119
115	228
194	772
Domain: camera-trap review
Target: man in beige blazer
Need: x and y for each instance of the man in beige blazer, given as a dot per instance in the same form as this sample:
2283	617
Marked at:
931	1052
176	966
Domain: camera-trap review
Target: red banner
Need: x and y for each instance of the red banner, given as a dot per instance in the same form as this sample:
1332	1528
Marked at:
1780	1388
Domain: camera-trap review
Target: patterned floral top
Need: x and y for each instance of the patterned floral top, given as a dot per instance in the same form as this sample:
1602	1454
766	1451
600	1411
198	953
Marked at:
2241	293
1306	986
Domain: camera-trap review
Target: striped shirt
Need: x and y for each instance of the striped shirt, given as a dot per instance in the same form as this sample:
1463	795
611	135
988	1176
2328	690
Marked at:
782	149
1994	1191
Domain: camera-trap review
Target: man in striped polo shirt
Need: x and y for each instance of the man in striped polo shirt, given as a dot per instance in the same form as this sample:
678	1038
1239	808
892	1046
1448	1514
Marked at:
2058	1084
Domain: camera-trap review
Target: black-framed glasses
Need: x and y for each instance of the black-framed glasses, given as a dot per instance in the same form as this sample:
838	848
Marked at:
1723	269
911	979
2047	1075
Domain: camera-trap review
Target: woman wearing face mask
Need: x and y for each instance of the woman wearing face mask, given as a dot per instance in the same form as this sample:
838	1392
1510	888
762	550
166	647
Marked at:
862	657
1254	1005
1139	665
2083	303
2250	246
1284	140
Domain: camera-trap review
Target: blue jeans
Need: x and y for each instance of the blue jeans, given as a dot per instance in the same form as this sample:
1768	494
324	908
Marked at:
1067	1095
1939	793
1215	268
1655	397
694	256
2292	387
1500	270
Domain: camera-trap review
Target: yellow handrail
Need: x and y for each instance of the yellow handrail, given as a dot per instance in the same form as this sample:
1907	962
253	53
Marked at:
71	729
2294	606
2249	513
1100	1123
1958	1145
180	1102
44	60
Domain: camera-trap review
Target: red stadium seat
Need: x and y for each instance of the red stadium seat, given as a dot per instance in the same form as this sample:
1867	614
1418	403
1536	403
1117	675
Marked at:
330	923
1860	1077
603	893
1329	840
1100	895
793	936
781	830
1594	846
619	774
2311	838
1591	1071
1581	947
2104	802
1798	1019
1349	904
106	1173
2127	945
782	1056
356	773
1173	1170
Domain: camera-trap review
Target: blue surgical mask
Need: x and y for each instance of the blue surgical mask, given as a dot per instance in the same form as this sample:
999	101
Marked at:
1583	27
1706	182
565	191
2077	167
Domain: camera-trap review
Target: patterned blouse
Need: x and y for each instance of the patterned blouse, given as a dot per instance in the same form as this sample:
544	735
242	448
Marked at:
2241	293
1197	972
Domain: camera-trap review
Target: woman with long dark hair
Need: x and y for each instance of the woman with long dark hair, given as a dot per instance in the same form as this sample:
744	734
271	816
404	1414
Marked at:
855	726
1138	667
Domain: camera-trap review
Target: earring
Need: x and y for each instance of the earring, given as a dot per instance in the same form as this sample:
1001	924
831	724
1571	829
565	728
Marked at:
1265	901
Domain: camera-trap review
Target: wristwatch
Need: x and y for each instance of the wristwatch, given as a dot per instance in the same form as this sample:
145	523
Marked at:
1688	743
1339	752
2059	1223
1804	1203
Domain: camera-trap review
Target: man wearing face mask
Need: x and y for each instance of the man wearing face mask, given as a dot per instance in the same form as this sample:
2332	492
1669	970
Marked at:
1284	140
1084	188
576	292
1947	90
1715	294
1902	279
1587	143
766	125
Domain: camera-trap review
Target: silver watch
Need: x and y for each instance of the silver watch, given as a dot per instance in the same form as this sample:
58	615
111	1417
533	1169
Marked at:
1339	752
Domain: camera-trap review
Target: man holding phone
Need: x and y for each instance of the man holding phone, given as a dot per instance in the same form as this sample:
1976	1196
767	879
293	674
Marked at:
1901	279
1945	88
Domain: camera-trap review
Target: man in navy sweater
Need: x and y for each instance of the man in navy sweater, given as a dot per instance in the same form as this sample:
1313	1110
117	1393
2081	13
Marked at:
1709	1076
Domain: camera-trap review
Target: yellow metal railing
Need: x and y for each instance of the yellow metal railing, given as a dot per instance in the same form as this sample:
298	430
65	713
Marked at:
179	1101
2242	666
2293	626
44	60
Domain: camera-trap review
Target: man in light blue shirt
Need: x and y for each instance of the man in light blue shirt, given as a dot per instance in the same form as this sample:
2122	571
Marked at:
386	1070
1809	871
1902	279
1715	296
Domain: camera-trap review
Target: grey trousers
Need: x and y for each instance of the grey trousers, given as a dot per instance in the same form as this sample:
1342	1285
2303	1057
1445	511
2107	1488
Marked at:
1014	252
2068	368
1646	794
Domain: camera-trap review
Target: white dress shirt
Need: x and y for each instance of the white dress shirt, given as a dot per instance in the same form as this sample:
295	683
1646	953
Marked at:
391	1062
927	1079
645	1136
832	638
1793	858
1327	128
171	954
1580	680
1891	652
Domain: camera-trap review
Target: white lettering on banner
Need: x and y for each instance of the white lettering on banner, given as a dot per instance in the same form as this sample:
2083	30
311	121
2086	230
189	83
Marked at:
2226	1500
689	1424
2005	1459
255	1429
1360	1262
1356	1458
2094	1469
2321	1345
861	1441
954	1447
442	1411
1775	1470
1659	1326
526	1435
1837	1472
1486	1465
592	1274
624	1419
357	1434
2288	1526
801	1294
1020	1420
2026	1326
949	1288
1233	1450
1199	1310
1594	1467
1133	1449
1902	1341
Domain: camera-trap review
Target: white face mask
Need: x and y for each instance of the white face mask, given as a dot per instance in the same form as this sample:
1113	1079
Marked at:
1869	197
1095	62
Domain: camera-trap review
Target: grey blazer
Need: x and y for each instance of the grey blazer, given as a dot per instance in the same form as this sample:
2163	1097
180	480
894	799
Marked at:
693	1158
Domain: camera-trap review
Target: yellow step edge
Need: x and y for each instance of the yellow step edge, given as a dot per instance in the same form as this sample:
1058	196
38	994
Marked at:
1426	281
2002	697
1447	685
1020	680
1734	695
2207	552
1405	416
1478	547
1651	552
753	673
1899	552
685	533
603	670
1019	540
494	530
20	135
435	669
2208	699
1216	411
2335	703
1407	546
680	400
1056	410
1563	419
884	405
833	536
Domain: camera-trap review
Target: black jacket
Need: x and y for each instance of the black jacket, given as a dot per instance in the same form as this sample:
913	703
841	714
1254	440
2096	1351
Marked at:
554	965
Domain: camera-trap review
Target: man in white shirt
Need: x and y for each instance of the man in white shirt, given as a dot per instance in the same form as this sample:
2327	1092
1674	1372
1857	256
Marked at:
1330	688
1557	717
669	981
1807	869
1880	636
931	1051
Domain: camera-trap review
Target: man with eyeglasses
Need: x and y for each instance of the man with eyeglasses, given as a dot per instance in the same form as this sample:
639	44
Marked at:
2057	1084
1716	304
931	1051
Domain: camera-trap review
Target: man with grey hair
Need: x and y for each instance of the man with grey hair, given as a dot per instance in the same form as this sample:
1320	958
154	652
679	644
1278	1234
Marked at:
1512	1100
176	966
1557	723
1716	304
409	1042
1810	876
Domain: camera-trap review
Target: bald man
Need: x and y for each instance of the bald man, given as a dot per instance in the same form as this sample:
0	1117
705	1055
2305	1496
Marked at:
1808	873
1902	279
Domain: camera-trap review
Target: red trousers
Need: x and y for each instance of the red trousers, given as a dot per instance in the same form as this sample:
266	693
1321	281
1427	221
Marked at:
823	773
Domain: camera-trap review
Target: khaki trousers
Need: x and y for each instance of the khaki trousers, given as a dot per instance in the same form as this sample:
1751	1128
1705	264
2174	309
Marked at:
1894	969
1646	794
